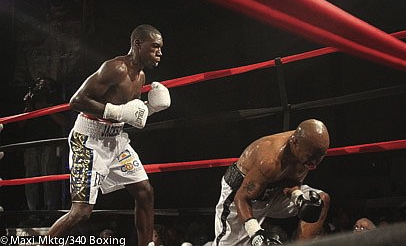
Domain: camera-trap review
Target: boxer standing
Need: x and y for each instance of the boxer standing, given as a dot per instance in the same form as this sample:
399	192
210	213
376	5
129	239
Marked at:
100	154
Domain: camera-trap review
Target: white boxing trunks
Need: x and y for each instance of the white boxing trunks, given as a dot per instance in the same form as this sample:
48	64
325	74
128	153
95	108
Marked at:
229	230
101	157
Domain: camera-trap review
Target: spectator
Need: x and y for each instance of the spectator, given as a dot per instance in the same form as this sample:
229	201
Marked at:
158	235
42	160
362	225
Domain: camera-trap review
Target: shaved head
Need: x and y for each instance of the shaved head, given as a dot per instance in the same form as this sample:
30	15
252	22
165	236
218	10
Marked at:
309	142
314	133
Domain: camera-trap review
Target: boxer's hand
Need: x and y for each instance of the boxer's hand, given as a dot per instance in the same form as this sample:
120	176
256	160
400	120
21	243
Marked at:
289	190
134	112
259	237
158	98
309	208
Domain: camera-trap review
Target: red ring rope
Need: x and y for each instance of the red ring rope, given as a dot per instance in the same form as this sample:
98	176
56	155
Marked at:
179	166
277	18
383	49
193	79
329	17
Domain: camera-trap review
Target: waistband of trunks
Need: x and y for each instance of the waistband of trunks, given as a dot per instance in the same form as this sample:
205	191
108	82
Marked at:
97	129
233	176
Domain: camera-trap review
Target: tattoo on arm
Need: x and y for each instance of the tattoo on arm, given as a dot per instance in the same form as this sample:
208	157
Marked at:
250	187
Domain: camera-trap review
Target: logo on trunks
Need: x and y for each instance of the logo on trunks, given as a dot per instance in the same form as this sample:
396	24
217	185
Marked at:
124	155
111	131
266	194
98	180
128	162
127	167
139	115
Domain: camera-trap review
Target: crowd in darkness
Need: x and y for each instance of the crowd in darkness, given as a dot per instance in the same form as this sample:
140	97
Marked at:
197	230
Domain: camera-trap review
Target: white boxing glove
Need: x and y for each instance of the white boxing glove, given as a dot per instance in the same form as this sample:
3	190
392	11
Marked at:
158	98
134	112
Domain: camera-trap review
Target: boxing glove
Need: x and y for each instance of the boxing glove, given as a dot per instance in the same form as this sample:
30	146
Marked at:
134	112
158	98
309	208
258	236
263	238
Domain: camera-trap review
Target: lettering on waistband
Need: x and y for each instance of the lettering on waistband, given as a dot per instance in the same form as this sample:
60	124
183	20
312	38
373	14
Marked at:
111	130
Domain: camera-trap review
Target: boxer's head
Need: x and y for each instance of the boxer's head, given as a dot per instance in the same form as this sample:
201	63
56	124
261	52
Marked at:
309	142
146	46
363	224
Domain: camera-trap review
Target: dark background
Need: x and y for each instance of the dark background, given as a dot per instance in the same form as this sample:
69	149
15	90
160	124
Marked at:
68	40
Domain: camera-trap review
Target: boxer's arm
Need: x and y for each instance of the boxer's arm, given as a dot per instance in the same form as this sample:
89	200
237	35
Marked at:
253	185
260	171
88	98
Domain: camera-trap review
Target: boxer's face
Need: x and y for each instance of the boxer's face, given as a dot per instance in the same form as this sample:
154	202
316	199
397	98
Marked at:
362	226
307	154
313	159
150	51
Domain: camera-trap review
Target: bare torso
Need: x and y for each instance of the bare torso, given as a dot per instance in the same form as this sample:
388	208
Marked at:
129	87
275	161
117	81
267	156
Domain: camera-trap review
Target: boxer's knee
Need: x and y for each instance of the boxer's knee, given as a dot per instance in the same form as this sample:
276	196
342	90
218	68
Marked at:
80	212
143	192
147	193
325	197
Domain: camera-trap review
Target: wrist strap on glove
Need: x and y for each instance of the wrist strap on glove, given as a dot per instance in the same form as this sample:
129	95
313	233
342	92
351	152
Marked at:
252	226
